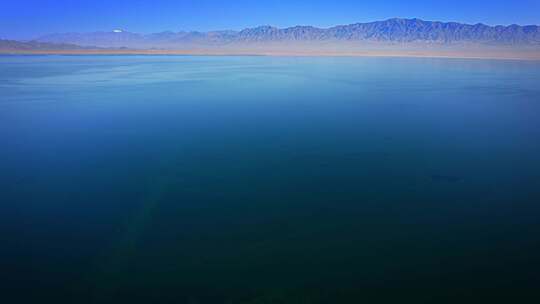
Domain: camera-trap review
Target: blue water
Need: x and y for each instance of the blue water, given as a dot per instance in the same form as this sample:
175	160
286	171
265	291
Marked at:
170	179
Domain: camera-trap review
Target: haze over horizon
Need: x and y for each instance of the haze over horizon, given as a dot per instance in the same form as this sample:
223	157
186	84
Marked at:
29	19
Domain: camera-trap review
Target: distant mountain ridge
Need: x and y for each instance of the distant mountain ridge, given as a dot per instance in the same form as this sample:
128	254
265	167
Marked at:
7	45
391	30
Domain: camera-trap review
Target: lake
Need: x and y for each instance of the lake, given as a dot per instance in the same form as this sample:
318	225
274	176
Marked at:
179	179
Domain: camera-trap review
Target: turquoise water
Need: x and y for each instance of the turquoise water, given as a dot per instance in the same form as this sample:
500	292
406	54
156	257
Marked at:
170	179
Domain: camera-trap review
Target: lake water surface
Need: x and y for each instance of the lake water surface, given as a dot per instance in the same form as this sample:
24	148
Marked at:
171	179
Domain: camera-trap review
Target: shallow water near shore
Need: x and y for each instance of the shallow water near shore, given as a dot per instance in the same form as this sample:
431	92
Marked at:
185	179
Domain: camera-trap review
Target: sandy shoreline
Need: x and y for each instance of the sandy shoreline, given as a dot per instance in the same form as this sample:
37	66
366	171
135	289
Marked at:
385	53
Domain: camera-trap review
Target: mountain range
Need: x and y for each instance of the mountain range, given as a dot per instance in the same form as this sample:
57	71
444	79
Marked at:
13	45
392	37
389	31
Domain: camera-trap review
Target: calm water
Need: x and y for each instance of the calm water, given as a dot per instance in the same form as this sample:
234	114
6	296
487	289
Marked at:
162	179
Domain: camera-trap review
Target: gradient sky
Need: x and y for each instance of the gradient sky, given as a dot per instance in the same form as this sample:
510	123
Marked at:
26	19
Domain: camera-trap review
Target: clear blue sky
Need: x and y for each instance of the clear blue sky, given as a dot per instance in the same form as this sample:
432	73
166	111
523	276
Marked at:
25	19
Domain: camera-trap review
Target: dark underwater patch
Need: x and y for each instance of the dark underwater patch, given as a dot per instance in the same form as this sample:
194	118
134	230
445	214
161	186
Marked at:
446	178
